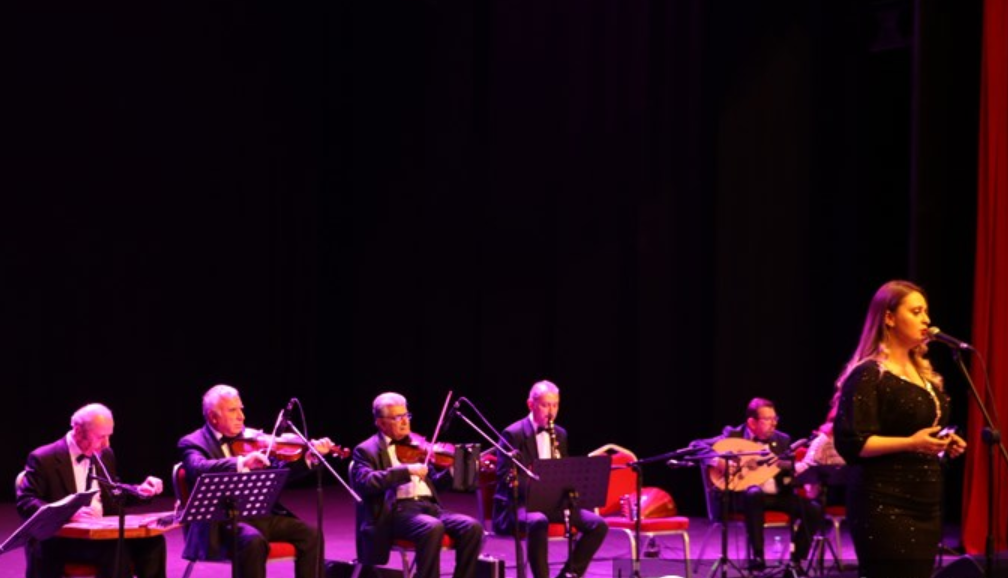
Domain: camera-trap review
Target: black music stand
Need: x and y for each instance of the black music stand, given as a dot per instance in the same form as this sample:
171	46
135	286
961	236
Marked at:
234	496
47	520
824	476
567	484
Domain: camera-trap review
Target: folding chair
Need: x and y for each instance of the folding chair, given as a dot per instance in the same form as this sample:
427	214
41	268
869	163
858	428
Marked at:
623	485
277	550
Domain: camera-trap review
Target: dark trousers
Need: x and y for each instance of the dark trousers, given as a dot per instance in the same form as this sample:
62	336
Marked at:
753	504
591	532
425	523
255	535
142	557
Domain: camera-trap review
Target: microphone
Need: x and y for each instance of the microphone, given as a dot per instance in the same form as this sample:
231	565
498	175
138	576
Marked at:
679	464
448	418
290	408
937	335
798	445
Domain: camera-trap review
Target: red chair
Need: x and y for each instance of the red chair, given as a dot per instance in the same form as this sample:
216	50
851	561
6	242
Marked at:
487	486
771	518
656	519
277	550
405	547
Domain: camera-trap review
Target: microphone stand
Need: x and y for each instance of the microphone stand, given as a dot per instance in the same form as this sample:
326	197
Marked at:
728	457
513	478
116	490
991	438
320	460
636	466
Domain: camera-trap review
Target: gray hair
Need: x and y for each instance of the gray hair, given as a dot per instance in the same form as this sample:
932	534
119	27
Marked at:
85	416
386	400
213	396
541	388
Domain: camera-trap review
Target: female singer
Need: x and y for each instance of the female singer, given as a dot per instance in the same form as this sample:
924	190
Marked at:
889	428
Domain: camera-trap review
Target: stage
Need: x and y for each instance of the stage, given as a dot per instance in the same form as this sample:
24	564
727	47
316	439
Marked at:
613	559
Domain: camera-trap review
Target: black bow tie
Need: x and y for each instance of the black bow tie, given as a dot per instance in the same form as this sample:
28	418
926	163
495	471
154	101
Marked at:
405	441
226	440
83	457
541	429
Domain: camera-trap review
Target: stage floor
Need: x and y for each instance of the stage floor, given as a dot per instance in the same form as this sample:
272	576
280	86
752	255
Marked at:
613	560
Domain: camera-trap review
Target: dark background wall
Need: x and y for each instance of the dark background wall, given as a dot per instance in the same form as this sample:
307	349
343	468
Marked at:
665	207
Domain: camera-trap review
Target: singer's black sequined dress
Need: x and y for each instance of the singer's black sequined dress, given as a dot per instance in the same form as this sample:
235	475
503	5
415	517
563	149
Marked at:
893	500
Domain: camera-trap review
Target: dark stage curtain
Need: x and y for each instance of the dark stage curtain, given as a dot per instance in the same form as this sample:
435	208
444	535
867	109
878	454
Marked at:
667	207
990	312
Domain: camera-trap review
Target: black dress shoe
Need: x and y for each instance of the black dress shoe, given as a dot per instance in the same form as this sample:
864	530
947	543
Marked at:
756	564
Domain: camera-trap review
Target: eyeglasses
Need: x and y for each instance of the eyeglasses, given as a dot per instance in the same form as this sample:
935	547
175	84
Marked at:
771	419
400	417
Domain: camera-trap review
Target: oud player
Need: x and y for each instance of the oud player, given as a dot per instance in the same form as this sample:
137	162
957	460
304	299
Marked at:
764	484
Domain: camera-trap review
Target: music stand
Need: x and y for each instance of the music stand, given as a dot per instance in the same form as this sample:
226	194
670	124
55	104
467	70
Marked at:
824	476
566	484
233	496
47	520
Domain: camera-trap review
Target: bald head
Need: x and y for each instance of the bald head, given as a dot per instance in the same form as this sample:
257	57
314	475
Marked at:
92	427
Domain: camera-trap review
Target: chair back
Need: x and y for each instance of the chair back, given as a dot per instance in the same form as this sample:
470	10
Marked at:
180	486
486	488
710	497
622	479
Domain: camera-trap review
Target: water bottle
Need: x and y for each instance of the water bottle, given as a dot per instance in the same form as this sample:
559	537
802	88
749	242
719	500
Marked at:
778	548
652	550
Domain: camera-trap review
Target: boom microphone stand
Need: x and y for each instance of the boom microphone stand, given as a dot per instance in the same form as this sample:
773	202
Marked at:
728	458
672	460
990	435
513	473
284	420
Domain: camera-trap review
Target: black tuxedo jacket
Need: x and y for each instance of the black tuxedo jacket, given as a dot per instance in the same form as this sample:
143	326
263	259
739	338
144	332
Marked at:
49	477
520	435
201	454
374	478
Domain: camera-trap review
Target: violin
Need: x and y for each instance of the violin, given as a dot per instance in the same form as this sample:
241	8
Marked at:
285	447
416	449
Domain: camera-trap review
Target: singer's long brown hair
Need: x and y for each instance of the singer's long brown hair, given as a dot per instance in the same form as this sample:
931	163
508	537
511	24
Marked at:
875	334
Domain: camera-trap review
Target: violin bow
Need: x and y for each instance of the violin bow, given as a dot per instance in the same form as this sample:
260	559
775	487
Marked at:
437	430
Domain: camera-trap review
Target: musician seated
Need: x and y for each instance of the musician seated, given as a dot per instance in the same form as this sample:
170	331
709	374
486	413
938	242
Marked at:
764	482
400	500
209	450
821	452
84	460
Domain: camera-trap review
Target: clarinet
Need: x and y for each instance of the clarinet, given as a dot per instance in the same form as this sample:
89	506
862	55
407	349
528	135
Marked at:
554	445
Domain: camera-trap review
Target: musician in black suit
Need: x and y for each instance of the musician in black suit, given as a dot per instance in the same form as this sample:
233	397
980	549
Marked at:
400	501
537	437
776	492
207	450
71	465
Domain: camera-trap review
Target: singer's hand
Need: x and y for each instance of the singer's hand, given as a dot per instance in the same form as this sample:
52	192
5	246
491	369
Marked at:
925	442
956	446
150	487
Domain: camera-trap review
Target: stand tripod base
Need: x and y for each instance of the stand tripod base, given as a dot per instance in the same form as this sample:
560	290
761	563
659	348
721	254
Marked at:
817	557
651	568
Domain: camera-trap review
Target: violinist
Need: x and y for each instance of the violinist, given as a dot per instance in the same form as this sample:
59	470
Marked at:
212	449
536	436
400	501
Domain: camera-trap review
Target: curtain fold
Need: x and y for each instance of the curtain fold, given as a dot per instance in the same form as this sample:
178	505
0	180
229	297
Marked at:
990	309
